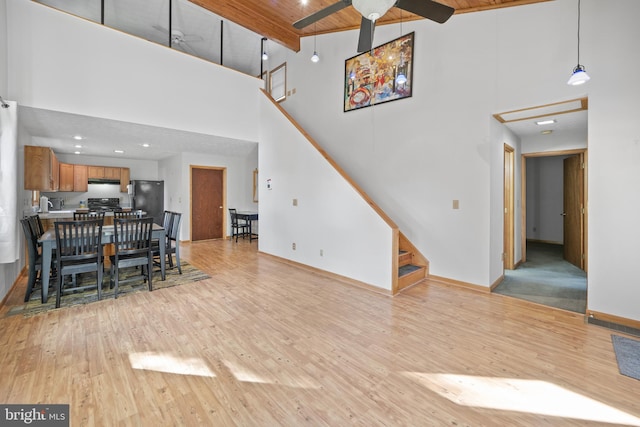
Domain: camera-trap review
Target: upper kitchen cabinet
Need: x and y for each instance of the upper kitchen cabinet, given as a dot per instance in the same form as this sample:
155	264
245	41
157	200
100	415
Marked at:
80	178
125	175
111	173
66	177
95	172
41	170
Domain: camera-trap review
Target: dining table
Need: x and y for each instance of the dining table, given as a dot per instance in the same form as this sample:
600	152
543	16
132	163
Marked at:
48	242
248	217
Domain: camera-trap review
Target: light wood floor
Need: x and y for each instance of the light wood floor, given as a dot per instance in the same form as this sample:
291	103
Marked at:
264	343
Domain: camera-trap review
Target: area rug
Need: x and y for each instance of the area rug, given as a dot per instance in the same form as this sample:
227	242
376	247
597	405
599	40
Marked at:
628	355
189	274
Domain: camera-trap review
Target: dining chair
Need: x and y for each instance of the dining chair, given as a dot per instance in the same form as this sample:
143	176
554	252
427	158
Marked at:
83	216
171	224
35	258
127	214
238	227
132	240
78	250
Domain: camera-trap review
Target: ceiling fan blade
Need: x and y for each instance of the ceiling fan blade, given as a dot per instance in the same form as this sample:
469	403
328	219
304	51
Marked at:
365	40
314	17
192	38
429	9
185	48
160	28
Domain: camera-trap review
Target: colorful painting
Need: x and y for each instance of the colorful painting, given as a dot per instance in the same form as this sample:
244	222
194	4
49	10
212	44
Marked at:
383	74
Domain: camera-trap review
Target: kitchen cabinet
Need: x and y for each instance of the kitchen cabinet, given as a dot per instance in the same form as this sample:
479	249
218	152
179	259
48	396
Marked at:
95	172
66	177
125	176
80	178
111	173
41	169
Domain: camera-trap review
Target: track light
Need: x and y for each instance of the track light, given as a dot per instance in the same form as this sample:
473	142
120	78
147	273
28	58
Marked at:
579	75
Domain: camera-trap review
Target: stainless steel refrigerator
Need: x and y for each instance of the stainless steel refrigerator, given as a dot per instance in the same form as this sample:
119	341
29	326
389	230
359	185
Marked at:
148	196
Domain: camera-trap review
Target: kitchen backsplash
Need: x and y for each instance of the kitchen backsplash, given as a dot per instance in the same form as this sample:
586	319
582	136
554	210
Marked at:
72	199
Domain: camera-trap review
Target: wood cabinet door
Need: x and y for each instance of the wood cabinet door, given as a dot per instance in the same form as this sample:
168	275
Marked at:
125	176
95	171
111	173
66	177
40	169
80	178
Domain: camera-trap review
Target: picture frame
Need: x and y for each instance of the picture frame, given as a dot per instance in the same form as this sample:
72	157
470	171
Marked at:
278	82
383	74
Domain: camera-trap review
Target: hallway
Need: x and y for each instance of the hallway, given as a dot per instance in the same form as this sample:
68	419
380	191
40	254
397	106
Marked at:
546	278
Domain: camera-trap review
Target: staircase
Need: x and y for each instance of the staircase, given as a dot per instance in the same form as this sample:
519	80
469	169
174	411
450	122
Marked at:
412	266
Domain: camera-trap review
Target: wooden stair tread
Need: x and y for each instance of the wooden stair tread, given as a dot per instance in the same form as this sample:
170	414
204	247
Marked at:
408	269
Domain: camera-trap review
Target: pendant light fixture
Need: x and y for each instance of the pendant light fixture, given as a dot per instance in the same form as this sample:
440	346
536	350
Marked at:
401	78
579	75
264	49
315	57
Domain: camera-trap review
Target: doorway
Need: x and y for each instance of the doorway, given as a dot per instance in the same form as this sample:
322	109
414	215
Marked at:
553	266
208	186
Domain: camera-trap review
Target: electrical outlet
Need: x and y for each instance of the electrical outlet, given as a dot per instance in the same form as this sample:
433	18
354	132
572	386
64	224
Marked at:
293	246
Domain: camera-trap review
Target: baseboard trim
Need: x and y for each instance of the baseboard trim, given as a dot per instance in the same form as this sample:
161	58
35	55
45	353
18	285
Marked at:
614	322
334	276
459	283
23	272
550	242
496	283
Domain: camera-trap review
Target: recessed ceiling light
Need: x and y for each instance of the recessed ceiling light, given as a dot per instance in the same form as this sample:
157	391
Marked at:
76	152
546	132
78	146
78	137
545	122
119	151
146	145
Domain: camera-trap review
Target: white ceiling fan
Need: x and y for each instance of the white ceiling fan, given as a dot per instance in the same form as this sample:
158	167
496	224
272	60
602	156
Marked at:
179	39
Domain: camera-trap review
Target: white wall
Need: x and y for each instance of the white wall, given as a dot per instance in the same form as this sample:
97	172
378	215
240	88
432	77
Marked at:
4	69
415	156
332	226
545	199
62	63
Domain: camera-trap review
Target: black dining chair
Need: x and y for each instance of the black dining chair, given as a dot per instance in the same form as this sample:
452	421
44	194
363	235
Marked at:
78	250
35	258
83	216
171	224
238	227
132	241
127	214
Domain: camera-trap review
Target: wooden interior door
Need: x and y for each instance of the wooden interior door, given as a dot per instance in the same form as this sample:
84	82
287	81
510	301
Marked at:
574	210
207	203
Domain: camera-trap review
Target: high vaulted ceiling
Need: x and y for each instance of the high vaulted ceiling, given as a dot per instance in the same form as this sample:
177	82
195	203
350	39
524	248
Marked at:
273	19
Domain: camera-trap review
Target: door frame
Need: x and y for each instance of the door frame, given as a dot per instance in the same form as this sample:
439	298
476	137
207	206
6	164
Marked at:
224	198
523	192
508	205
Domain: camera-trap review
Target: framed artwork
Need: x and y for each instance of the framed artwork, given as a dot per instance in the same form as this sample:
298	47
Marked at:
383	74
278	82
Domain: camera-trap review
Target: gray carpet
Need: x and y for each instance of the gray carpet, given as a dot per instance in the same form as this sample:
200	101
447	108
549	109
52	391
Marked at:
627	355
547	279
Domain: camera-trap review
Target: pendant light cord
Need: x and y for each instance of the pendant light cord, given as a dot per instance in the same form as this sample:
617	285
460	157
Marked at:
578	32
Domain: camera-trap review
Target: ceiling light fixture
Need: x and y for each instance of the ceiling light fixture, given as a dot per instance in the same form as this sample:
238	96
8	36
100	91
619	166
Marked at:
264	49
145	145
545	122
373	9
78	146
78	137
119	151
546	132
315	57
579	75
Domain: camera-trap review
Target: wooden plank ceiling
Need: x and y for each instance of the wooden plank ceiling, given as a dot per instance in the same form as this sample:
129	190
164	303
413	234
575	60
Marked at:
273	19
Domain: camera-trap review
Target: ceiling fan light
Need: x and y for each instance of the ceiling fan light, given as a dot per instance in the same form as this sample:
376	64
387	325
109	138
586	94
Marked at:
373	9
579	76
315	57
